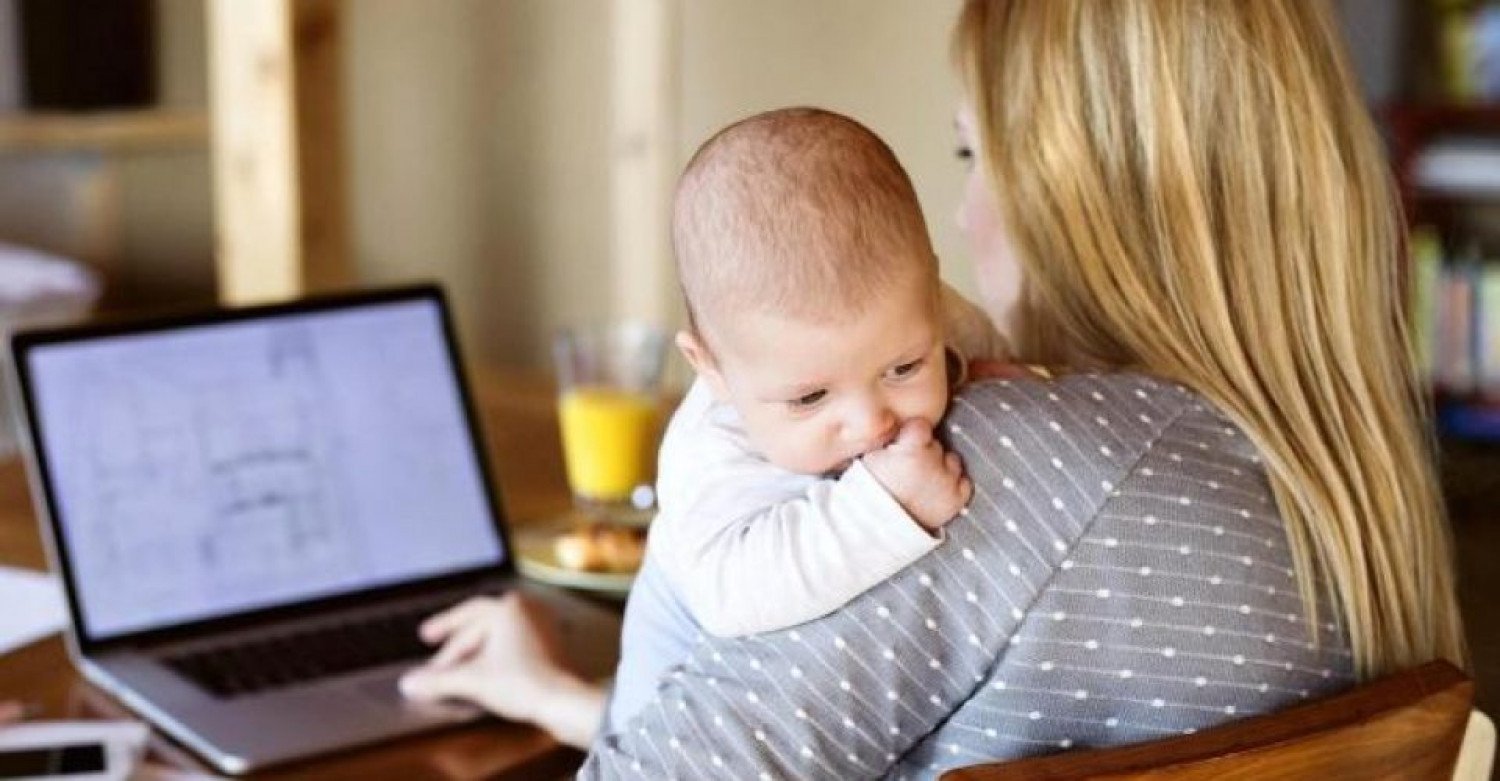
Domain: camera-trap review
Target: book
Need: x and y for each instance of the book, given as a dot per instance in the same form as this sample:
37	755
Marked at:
1487	330
1453	360
1427	277
10	58
1459	166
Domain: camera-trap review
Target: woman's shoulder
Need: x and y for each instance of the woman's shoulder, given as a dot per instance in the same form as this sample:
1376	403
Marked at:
1106	392
1093	430
1075	407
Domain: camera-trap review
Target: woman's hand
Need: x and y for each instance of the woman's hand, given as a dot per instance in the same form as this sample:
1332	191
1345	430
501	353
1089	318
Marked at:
503	655
982	369
12	711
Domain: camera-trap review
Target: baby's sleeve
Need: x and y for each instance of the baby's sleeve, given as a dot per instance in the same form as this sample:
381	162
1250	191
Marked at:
752	548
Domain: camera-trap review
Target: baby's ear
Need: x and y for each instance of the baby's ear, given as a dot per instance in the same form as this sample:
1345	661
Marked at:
702	361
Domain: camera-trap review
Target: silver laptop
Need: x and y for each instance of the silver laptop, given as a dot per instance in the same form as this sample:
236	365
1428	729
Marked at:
252	510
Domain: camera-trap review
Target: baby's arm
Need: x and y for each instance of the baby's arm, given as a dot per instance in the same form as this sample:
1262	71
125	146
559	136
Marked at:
751	548
786	561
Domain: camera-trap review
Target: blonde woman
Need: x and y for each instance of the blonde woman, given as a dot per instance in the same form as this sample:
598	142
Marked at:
1224	507
1214	207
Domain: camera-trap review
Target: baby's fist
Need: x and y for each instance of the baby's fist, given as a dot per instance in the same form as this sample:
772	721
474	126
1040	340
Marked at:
927	481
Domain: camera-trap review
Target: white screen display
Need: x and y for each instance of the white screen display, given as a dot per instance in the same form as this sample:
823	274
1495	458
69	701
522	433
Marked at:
214	469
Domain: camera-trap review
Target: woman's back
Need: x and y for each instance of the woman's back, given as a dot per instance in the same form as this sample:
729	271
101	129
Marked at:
1166	604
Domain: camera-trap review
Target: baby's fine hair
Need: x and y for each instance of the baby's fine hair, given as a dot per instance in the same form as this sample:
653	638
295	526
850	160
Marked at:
799	212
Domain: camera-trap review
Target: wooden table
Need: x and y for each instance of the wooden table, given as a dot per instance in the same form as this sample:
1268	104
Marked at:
520	421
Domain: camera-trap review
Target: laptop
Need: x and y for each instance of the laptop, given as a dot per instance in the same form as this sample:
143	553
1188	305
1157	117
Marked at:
252	510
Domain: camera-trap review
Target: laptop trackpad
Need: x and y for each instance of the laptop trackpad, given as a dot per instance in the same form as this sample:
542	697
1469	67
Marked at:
386	694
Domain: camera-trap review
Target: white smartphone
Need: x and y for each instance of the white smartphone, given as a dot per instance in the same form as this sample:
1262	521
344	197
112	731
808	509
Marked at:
53	761
71	750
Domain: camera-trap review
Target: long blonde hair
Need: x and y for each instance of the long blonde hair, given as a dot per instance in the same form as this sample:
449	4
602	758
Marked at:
1196	190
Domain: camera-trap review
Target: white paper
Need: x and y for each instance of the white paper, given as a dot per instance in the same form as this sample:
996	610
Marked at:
123	741
46	281
33	607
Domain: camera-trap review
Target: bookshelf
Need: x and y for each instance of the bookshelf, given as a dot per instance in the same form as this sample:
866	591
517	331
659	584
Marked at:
108	131
1446	159
1440	110
269	115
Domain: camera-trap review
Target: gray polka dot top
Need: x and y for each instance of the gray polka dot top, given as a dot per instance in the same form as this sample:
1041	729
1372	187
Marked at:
1121	575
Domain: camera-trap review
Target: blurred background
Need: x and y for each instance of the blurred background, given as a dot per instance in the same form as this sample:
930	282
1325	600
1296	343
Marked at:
164	153
498	146
520	151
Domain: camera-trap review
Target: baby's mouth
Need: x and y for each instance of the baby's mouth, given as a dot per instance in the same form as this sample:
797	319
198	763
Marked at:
840	468
843	466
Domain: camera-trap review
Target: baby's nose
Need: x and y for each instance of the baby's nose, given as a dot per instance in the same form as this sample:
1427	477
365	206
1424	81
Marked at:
874	429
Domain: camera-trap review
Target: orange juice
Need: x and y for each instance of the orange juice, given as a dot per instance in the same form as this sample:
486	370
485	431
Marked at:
609	441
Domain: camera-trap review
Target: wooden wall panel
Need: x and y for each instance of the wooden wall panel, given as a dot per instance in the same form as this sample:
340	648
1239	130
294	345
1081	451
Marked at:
277	150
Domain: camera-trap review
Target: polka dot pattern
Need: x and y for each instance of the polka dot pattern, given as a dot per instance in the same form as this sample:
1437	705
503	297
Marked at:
1054	617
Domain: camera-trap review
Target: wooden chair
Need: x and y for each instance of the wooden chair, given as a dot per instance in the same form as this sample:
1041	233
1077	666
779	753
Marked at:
1408	726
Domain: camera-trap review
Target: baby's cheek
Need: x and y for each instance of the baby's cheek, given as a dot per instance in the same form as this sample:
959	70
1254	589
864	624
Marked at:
940	409
796	451
936	402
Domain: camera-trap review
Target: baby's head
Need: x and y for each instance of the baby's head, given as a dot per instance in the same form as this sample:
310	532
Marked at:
811	286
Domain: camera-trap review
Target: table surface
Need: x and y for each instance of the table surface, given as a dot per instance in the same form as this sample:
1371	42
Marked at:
519	420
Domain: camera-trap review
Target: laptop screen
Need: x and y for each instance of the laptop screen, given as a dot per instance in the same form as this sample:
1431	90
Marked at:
213	469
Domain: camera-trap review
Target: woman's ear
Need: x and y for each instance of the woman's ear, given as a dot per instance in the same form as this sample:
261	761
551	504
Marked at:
702	361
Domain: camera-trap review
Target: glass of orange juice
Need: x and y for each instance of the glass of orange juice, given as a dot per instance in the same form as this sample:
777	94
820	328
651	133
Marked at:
609	407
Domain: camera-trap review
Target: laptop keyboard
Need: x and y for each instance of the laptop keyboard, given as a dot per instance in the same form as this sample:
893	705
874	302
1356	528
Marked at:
307	654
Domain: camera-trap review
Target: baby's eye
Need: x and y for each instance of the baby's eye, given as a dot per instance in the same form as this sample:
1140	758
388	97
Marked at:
964	153
907	369
809	399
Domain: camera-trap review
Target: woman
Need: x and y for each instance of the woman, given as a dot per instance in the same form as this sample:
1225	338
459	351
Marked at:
1187	190
1214	207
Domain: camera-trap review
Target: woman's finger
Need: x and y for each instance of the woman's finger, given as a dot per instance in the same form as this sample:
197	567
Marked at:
462	644
999	370
439	626
426	684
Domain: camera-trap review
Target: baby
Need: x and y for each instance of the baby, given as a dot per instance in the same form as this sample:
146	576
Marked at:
801	468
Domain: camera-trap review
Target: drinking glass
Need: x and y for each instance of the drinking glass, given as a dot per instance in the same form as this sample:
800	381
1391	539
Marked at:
609	407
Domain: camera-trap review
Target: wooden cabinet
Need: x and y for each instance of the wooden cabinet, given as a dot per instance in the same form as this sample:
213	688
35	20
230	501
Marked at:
273	130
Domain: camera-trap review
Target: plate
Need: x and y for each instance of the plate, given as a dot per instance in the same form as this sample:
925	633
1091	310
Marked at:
622	516
536	560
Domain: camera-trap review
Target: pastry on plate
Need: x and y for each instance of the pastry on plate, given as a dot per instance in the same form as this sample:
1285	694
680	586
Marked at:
601	547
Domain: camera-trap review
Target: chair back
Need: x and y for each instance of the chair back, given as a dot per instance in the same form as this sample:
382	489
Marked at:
1408	725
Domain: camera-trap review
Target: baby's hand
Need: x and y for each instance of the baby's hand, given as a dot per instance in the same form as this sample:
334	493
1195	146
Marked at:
927	481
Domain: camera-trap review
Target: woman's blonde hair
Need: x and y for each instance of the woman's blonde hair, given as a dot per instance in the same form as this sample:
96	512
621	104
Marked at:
1196	190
